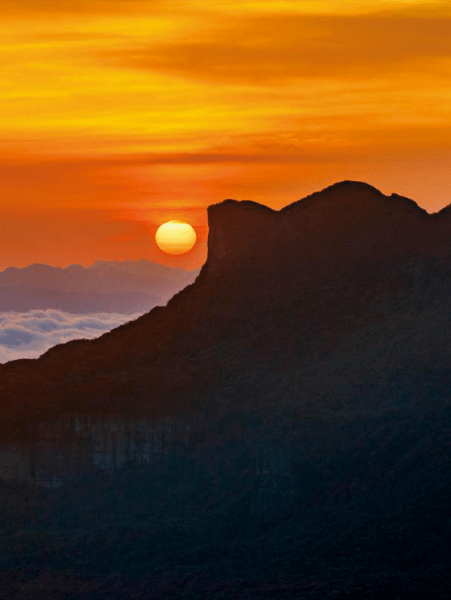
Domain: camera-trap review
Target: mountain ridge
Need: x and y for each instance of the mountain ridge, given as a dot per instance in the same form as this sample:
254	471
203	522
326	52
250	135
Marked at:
343	209
266	281
105	286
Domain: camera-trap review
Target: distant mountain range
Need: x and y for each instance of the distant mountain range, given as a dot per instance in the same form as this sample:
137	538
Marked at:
107	286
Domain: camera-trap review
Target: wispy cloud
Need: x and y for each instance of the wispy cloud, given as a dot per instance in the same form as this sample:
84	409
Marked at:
82	8
262	49
30	334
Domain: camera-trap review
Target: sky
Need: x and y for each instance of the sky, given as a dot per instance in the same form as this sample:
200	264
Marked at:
118	116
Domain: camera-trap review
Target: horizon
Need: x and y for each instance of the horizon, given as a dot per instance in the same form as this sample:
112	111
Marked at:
120	116
190	268
93	264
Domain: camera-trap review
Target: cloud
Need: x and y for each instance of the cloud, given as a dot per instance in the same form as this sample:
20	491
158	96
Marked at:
262	49
30	334
76	8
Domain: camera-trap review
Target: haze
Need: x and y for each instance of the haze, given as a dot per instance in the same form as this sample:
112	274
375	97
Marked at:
41	306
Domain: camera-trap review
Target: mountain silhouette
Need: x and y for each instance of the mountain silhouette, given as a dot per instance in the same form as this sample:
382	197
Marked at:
277	287
298	395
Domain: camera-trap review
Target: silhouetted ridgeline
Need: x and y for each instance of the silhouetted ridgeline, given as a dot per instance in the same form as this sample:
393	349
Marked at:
278	290
281	427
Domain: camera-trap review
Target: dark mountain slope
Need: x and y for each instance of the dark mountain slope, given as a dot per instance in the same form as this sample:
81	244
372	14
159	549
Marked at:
313	351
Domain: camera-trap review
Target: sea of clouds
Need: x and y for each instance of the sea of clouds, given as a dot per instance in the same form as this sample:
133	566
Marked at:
30	334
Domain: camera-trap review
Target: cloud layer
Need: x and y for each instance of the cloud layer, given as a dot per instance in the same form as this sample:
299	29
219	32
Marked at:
30	334
274	49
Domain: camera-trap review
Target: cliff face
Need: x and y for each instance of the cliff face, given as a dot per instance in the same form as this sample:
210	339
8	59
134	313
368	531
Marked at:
239	232
342	227
277	286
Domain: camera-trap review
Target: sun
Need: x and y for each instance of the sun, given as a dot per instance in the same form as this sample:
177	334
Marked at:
175	237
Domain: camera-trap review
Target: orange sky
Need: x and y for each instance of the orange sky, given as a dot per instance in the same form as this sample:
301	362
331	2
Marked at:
118	116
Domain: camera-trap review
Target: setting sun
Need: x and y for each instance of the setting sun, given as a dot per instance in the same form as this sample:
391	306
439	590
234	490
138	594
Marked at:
175	237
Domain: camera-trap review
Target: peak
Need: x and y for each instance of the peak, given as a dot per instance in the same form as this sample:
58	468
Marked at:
239	205
350	185
41	267
354	197
340	190
245	232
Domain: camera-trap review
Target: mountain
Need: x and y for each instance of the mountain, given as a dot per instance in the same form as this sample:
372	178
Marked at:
298	393
278	288
106	286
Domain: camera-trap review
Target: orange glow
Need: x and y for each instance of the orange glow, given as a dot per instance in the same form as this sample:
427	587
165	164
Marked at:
118	116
